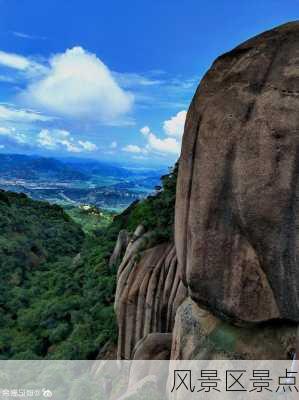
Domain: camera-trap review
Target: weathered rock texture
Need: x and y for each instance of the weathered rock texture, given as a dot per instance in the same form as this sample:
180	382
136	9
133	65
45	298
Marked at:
148	293
237	209
154	346
120	248
200	335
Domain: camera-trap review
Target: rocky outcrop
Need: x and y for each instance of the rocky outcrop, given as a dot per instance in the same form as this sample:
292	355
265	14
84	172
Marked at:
120	248
148	293
200	335
237	208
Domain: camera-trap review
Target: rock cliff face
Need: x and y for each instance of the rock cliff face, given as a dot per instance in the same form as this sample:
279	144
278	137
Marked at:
236	219
148	293
237	210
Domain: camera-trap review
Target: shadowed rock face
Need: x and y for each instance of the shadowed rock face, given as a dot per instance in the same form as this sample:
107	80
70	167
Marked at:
237	208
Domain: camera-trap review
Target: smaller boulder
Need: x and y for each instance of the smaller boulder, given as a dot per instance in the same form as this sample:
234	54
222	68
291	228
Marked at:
120	248
154	346
199	335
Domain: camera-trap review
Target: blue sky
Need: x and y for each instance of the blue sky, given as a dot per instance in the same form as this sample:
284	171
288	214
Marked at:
113	79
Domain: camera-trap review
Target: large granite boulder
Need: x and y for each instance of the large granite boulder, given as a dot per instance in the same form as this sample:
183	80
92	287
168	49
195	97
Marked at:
237	208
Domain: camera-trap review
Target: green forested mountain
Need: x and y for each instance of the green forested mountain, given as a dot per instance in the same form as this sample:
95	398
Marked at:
57	291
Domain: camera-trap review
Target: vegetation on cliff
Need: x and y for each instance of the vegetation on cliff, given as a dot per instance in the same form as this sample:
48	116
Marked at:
156	212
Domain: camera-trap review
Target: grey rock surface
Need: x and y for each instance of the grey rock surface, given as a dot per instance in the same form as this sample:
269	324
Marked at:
237	207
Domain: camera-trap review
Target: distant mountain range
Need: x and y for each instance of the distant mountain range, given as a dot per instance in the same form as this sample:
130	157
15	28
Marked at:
34	167
76	181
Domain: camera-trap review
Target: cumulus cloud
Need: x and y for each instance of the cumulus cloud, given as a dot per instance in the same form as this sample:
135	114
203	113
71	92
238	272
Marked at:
132	148
164	146
56	139
79	84
175	125
9	113
13	134
168	145
51	139
145	130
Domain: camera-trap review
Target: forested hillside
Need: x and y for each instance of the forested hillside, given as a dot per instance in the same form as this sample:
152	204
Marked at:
57	291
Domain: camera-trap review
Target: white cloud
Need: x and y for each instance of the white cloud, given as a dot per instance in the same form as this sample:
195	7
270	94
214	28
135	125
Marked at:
12	133
23	35
49	139
56	139
172	127
132	148
23	64
168	145
70	147
113	145
175	125
155	144
87	145
8	113
79	84
145	130
128	80
15	61
165	145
